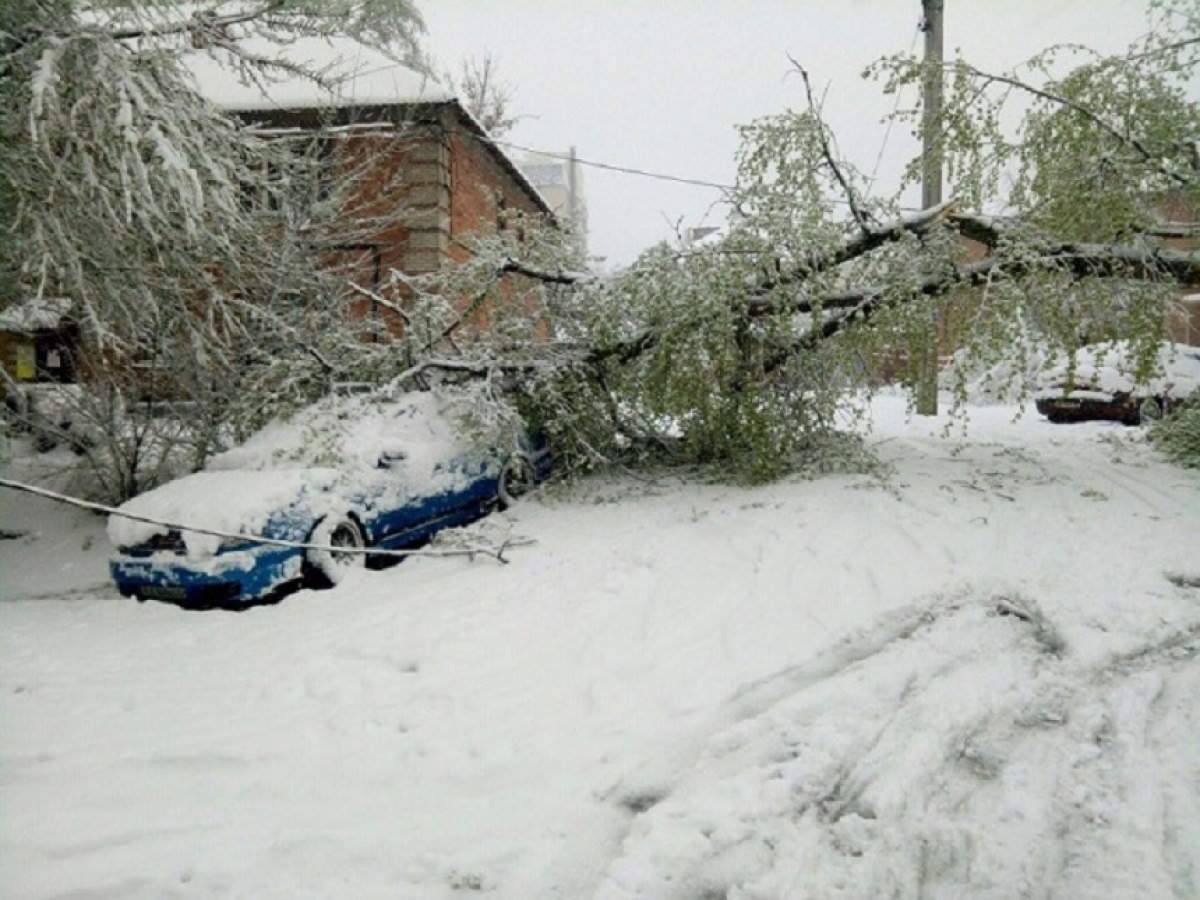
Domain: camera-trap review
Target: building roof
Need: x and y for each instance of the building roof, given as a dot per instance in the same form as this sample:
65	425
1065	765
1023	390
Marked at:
506	162
35	314
357	78
354	75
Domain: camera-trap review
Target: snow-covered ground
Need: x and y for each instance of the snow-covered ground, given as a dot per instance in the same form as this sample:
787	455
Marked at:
981	681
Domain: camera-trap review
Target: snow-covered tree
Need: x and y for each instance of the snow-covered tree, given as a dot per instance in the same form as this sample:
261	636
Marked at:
190	247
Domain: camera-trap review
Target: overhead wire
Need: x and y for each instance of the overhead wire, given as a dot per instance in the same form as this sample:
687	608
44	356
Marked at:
643	173
891	120
680	179
496	553
612	167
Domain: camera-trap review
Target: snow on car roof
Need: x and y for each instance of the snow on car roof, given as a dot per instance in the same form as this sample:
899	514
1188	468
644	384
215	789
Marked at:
354	431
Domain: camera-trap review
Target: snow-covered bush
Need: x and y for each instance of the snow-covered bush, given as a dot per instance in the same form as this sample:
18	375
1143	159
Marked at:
1178	434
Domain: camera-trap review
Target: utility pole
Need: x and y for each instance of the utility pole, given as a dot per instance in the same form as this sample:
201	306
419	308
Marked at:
575	209
931	179
572	189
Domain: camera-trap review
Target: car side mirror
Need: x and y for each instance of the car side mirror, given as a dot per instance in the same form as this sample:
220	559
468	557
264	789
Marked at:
390	458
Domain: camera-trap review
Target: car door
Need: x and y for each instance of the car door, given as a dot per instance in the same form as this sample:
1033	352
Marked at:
404	507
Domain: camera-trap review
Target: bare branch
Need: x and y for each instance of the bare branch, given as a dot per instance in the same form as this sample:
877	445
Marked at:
827	152
375	297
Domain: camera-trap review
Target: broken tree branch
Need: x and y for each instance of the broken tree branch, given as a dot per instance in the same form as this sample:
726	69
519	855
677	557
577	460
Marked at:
1126	139
1081	260
815	110
862	244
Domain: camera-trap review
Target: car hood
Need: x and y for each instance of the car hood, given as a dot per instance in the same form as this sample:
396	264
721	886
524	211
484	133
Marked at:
239	502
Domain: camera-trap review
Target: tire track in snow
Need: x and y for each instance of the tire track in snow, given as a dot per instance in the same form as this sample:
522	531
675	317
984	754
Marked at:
884	767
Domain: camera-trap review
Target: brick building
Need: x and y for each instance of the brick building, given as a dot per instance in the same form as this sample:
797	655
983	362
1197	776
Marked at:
1178	231
428	173
427	169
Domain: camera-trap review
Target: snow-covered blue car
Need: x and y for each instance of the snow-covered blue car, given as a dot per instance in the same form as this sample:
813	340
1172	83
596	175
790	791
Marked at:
346	472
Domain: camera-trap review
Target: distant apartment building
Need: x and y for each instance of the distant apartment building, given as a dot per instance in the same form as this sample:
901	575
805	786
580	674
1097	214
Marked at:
560	182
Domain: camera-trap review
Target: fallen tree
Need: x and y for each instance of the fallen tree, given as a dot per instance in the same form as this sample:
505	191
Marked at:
745	352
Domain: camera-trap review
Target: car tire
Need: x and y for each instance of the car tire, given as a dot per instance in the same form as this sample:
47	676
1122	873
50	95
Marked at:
516	480
326	568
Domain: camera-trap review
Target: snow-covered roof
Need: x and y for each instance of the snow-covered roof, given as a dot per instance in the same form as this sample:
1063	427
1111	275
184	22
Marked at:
356	75
35	314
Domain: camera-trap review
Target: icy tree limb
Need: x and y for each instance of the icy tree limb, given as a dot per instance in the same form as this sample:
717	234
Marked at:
1174	230
202	20
564	278
854	248
375	297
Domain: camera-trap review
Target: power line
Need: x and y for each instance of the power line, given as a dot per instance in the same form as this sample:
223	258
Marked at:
891	120
629	170
663	176
612	167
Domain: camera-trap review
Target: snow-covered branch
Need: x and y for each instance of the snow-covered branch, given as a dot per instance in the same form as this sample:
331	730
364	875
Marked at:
1059	99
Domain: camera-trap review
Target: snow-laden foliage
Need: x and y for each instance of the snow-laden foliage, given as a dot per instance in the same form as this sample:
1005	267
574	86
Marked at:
193	250
1102	153
1178	434
1099	139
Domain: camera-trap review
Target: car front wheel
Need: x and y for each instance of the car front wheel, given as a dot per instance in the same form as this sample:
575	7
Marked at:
330	567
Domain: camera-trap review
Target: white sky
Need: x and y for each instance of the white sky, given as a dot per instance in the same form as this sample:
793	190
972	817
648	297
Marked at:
660	84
